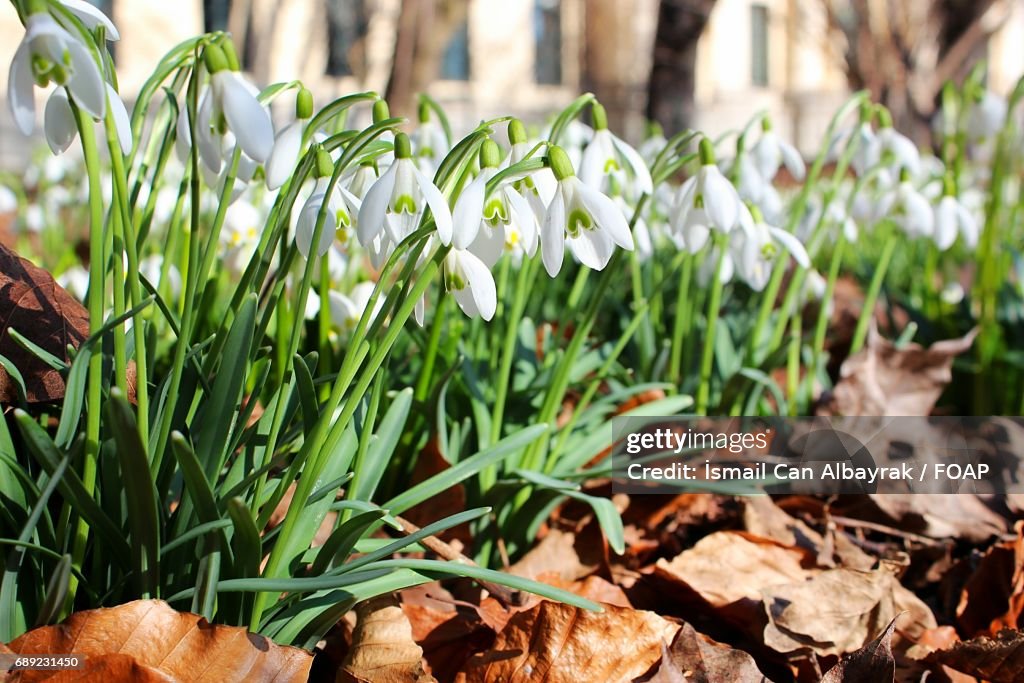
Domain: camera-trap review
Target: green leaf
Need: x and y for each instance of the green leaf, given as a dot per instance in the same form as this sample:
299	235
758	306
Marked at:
607	516
56	592
74	398
341	542
37	351
370	469
306	390
246	541
464	469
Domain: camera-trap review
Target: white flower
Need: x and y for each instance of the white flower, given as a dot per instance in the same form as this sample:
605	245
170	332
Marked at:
951	219
288	143
608	158
471	283
537	188
912	212
705	200
754	248
306	225
429	145
706	271
61	129
240	235
487	226
235	99
891	146
8	200
584	218
398	199
91	17
151	267
347	309
48	52
770	152
986	116
76	281
360	180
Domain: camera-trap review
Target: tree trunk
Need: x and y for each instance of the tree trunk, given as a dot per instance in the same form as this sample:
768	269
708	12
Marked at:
671	88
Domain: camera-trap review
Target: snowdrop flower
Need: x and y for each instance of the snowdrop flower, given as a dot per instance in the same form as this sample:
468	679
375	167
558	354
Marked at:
347	309
428	141
471	283
986	115
61	129
952	294
952	218
488	225
34	218
655	142
894	149
8	200
910	211
581	216
706	271
49	53
607	159
538	188
288	143
76	281
305	228
755	245
706	200
360	180
770	152
151	267
398	199
240	235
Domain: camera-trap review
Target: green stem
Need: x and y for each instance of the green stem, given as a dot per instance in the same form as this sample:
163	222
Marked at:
867	312
708	351
681	324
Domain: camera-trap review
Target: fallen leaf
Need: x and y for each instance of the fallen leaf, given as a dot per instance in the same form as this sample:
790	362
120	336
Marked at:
695	658
559	643
999	659
873	662
43	312
884	380
383	649
180	645
993	597
839	610
962	516
592	588
562	553
728	566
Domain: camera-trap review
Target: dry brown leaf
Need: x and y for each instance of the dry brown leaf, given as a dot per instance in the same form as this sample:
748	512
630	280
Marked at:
592	588
180	645
873	662
42	311
964	515
383	649
695	658
993	597
562	553
729	566
999	659
839	610
884	380
559	643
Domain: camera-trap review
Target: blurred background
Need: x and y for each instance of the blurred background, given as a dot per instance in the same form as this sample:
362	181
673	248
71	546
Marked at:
708	64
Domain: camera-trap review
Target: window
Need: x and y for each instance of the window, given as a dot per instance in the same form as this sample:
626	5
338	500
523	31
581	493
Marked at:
759	45
215	15
547	40
347	24
455	61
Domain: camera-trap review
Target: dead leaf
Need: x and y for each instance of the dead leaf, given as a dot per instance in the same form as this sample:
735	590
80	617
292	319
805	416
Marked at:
999	659
180	645
592	588
935	515
43	312
728	566
993	597
873	662
562	553
838	610
695	658
383	649
559	643
884	380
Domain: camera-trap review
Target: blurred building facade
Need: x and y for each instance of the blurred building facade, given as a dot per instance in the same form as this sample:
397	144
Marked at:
524	57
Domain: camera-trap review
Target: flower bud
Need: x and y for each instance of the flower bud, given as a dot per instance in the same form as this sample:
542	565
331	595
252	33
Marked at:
707	152
381	111
214	59
423	112
304	104
516	132
231	55
599	115
490	154
324	164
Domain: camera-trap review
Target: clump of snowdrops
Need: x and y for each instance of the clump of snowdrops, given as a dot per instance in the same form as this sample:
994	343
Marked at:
325	309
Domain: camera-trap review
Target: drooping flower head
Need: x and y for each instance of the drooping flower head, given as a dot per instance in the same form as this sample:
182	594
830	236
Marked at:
707	200
755	247
952	218
609	161
234	104
537	188
490	225
340	207
770	152
429	141
288	143
397	200
580	216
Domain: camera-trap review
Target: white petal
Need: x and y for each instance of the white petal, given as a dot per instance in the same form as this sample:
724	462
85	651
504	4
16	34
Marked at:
595	157
968	226
246	117
552	235
20	95
523	219
608	217
91	17
945	223
792	245
479	283
792	159
438	206
375	206
468	214
59	122
285	154
210	143
720	199
636	163
86	84
122	123
593	248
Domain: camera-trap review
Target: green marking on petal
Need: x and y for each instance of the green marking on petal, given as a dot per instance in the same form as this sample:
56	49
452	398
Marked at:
579	220
768	251
611	165
698	201
495	211
404	204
